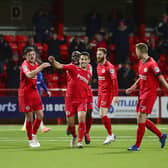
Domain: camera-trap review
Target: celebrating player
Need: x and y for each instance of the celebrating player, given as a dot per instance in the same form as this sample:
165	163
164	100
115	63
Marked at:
76	95
29	98
75	61
149	78
40	84
107	90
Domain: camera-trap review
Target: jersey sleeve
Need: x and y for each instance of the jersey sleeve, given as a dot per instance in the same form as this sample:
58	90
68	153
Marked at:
156	70
112	72
69	67
25	69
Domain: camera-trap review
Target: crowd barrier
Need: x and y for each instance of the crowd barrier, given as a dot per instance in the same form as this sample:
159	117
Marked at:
54	108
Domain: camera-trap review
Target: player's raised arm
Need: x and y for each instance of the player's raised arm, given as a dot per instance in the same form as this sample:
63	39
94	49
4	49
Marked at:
32	74
55	63
133	87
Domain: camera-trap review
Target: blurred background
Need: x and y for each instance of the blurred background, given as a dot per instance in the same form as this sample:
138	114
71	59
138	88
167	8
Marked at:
58	27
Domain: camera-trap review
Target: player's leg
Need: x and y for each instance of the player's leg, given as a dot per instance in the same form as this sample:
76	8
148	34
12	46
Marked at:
81	127
29	121
24	125
107	124
152	127
44	128
89	121
36	124
72	129
141	120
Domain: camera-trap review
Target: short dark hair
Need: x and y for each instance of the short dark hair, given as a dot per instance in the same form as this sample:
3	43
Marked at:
142	47
85	54
27	50
76	53
104	50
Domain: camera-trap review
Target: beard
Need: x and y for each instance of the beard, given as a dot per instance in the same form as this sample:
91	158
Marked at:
100	60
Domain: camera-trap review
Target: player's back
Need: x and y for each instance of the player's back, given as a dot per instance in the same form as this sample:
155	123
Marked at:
148	73
105	74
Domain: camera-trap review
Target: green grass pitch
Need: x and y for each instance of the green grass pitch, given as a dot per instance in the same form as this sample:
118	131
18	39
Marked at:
56	153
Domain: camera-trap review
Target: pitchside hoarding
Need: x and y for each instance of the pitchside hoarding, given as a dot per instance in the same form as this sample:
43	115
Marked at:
54	107
126	108
164	107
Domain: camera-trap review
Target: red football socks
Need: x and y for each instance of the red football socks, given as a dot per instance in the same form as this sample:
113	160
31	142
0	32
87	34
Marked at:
151	126
140	133
73	131
29	129
36	126
107	124
88	124
81	131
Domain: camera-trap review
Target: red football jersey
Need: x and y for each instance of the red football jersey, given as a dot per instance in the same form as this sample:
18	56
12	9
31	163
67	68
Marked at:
90	69
106	75
78	81
27	84
149	73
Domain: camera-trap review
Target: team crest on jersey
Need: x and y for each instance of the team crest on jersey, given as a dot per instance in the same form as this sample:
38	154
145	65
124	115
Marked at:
103	70
145	69
25	68
112	71
156	69
27	108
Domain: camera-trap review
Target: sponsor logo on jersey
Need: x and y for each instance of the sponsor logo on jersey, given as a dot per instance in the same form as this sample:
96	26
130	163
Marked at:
101	77
82	78
145	69
103	70
143	77
156	69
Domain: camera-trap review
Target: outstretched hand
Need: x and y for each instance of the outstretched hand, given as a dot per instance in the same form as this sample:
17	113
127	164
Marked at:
51	59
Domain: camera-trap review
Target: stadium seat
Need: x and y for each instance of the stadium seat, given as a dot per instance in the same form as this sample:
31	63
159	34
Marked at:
10	38
21	38
14	47
64	52
39	46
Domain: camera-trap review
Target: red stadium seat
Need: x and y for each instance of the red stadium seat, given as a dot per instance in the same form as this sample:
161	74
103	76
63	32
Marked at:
14	47
112	47
39	46
10	38
64	52
21	38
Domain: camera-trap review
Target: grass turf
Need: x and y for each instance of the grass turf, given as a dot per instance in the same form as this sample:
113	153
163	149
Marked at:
56	153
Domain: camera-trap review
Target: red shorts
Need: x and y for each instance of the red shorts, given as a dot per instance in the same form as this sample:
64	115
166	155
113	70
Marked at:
105	100
74	105
90	103
145	105
30	102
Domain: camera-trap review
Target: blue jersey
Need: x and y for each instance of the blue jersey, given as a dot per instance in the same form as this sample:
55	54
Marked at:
41	83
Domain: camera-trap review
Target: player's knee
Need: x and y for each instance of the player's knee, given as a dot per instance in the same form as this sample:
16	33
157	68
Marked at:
102	113
70	122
